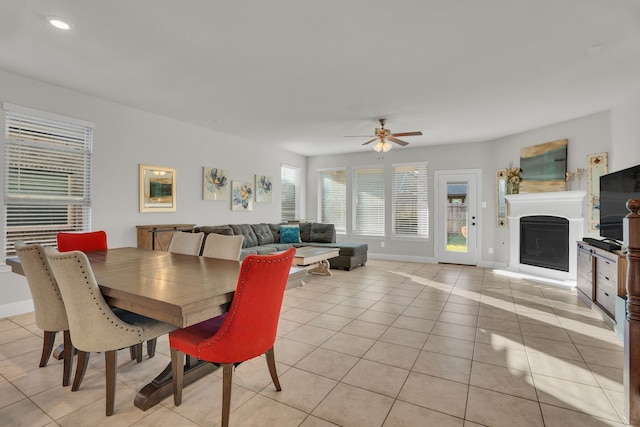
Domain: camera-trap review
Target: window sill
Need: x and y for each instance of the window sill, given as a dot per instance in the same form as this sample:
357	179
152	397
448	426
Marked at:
409	238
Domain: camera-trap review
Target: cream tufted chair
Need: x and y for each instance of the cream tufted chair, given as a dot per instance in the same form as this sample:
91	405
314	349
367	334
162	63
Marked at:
92	323
50	313
223	247
186	243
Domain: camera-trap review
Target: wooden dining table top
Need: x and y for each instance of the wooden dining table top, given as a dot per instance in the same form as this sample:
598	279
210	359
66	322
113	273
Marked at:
178	289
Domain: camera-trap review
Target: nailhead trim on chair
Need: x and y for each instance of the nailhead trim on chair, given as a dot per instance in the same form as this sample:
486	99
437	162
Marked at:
109	318
239	291
44	265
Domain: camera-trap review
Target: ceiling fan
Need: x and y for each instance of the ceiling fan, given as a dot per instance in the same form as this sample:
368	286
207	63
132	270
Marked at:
383	136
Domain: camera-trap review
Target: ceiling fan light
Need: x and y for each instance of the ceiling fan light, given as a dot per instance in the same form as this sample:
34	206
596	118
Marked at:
379	146
386	146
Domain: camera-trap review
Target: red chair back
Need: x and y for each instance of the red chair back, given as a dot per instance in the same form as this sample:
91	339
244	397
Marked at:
249	327
85	242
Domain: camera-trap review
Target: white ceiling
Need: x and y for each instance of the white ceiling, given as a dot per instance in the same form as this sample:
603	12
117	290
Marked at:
301	74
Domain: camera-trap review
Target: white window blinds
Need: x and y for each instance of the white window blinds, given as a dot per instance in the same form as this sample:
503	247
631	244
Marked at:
410	200
368	201
290	179
47	178
332	198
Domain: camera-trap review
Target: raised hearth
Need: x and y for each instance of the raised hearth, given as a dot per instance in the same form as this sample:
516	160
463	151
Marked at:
561	204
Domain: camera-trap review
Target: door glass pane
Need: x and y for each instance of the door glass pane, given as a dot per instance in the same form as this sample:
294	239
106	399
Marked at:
457	216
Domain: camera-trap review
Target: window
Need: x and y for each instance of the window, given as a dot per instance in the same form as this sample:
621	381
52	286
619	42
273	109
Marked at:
332	198
47	176
290	204
368	201
410	201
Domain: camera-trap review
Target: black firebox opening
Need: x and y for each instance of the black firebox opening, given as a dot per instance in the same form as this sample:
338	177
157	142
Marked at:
544	242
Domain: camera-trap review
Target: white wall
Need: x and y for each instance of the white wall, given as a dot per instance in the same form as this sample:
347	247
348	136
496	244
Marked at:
625	133
125	137
587	135
590	134
443	157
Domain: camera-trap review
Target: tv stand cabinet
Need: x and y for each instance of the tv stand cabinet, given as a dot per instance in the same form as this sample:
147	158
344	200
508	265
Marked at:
601	277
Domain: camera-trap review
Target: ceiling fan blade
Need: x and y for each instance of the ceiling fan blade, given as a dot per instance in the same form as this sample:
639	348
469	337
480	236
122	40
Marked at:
407	134
397	141
359	136
370	141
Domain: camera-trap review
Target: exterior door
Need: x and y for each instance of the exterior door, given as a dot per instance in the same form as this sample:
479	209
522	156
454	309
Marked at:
457	217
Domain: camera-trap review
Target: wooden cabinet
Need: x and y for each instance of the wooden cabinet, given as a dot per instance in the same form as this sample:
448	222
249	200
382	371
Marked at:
158	236
584	280
601	277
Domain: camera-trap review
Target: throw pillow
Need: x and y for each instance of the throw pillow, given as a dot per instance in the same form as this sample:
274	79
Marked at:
289	234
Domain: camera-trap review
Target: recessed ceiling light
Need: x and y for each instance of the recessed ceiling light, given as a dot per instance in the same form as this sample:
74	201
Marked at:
59	23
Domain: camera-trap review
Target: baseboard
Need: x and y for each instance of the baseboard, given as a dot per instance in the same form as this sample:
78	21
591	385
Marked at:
492	264
15	308
405	258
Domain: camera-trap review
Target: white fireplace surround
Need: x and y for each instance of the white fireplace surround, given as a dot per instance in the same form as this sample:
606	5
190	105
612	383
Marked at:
564	204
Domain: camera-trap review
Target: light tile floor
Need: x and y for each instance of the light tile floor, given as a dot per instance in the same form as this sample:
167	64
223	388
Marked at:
390	344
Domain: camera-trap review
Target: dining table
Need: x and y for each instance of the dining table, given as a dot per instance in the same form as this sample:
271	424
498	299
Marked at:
178	289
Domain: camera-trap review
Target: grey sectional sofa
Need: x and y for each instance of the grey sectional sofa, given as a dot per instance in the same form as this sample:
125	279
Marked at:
265	239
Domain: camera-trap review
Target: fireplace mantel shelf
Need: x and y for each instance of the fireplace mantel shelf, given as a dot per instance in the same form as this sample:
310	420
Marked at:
567	204
553	196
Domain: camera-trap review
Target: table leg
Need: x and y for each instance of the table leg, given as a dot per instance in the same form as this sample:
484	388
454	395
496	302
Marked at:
322	268
162	385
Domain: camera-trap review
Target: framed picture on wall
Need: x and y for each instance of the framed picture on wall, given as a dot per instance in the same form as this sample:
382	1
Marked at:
215	184
264	188
157	190
242	199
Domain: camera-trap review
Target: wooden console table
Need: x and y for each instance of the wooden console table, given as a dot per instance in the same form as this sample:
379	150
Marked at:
156	237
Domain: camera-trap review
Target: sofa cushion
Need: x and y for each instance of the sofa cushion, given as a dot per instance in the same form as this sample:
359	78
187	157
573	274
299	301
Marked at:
263	233
265	250
218	229
323	233
346	248
275	230
280	246
289	234
250	238
305	231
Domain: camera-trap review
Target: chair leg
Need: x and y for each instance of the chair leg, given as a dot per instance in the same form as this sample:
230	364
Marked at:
151	347
138	352
83	362
67	357
177	373
133	352
110	359
227	380
271	363
47	347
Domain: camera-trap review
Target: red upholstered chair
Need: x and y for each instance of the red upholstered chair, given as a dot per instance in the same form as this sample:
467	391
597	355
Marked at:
85	242
246	331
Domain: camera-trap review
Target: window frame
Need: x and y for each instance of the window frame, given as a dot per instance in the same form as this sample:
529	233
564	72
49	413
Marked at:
425	234
296	191
357	227
341	228
39	146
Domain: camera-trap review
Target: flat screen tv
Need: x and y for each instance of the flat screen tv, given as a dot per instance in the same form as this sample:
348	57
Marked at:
615	189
